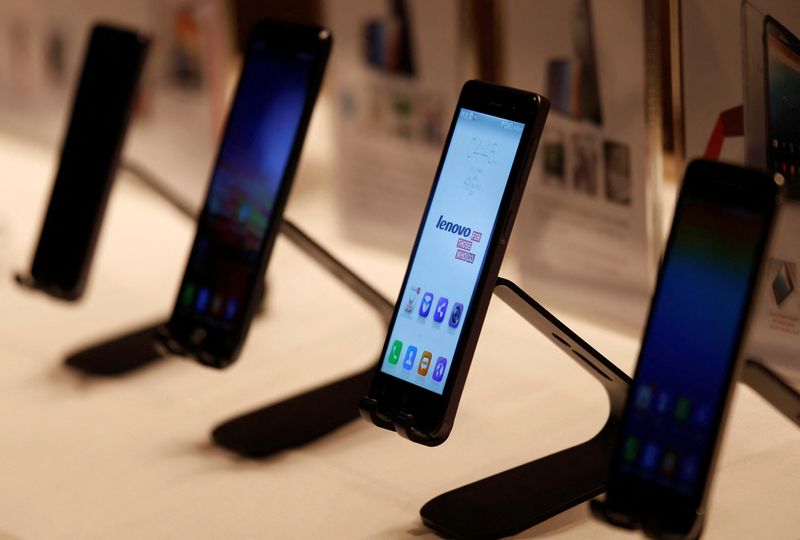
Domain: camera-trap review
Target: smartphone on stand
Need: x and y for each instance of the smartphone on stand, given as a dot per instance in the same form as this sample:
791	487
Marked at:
89	156
782	88
281	77
690	356
454	264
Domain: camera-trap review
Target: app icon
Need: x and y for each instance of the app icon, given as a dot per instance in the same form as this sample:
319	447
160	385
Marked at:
411	355
644	394
202	300
425	306
441	309
411	297
455	314
650	456
669	464
230	309
424	363
631	451
662	402
216	305
683	407
689	469
438	369
188	295
394	352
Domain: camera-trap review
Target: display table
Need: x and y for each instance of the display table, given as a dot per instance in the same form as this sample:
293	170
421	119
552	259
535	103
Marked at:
130	457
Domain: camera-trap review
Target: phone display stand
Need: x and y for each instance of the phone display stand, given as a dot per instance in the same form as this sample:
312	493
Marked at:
519	498
128	351
773	389
124	353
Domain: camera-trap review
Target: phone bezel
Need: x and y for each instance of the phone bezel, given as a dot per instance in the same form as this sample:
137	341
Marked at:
647	503
221	345
432	413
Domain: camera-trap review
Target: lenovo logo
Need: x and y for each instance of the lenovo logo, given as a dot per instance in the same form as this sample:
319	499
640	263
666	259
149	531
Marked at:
454	228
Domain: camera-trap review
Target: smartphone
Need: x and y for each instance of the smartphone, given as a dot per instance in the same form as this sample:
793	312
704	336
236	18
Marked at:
782	81
454	264
89	156
690	356
283	69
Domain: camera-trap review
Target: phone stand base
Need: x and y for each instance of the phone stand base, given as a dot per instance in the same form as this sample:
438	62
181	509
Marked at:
131	351
294	421
519	498
120	355
29	282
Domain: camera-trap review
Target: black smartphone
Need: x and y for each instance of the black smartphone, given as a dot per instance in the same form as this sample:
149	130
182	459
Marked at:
89	156
283	69
689	360
782	81
454	264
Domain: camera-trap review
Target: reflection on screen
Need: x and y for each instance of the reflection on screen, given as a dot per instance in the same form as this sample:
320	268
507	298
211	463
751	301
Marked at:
783	97
250	168
676	399
451	249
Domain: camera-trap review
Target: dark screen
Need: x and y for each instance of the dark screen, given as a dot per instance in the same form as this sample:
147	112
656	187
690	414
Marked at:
88	158
245	185
691	341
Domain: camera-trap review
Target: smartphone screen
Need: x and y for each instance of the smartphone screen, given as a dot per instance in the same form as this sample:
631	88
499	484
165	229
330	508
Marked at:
254	168
783	99
693	335
460	219
92	144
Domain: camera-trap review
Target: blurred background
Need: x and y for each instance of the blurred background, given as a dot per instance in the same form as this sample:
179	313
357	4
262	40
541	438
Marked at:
636	88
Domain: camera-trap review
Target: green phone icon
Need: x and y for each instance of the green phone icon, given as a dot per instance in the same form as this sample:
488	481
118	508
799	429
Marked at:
394	352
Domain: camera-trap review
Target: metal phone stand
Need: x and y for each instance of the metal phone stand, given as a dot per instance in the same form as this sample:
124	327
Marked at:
519	498
772	388
319	411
